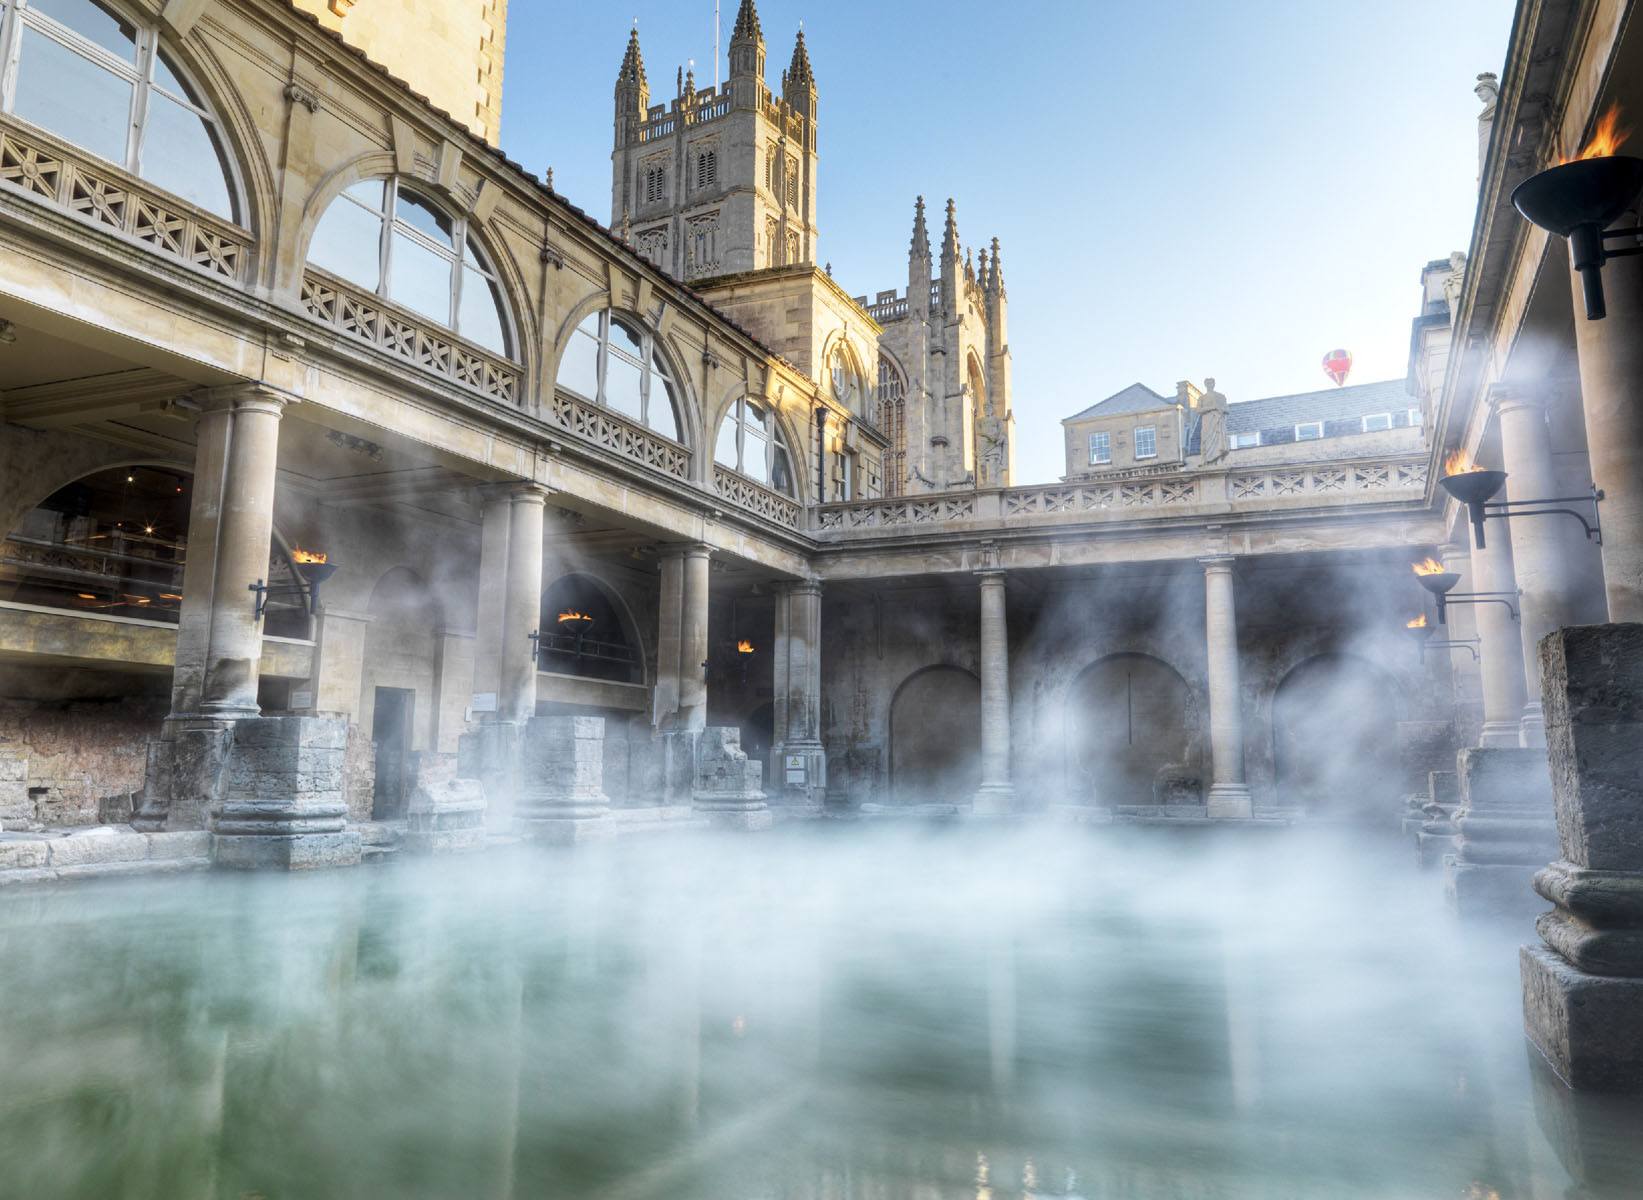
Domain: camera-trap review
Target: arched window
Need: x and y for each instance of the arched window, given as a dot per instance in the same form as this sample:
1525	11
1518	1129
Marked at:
751	442
613	361
96	77
390	239
848	386
892	420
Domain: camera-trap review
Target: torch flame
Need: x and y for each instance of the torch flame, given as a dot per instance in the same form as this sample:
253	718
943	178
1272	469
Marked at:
298	554
1418	623
571	614
744	647
1607	138
1430	567
1459	463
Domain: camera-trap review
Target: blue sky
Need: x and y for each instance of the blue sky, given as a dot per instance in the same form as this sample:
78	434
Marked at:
1182	189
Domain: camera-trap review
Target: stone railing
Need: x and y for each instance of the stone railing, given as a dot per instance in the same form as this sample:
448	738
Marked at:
617	434
755	498
367	317
1142	496
104	195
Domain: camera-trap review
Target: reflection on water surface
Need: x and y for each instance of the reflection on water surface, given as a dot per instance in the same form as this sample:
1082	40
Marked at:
852	1013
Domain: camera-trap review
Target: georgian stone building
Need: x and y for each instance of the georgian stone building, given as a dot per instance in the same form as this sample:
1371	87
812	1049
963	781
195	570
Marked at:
665	472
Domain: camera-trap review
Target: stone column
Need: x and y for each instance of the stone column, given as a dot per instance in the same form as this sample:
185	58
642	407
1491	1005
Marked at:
996	792
1611	364
1467	671
670	608
1583	989
1538	543
798	697
490	616
522	607
1502	649
693	634
1228	794
564	798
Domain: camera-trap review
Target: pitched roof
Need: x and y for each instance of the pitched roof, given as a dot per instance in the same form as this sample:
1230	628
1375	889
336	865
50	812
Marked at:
1283	413
1135	398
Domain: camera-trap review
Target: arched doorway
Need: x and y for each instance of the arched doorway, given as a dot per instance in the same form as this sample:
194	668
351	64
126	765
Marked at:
935	736
585	633
1132	733
1334	728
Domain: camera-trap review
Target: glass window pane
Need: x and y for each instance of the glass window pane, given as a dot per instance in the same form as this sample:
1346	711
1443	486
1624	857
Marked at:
625	338
480	318
590	325
367	192
724	449
348	242
165	75
94	23
662	418
73	97
180	154
419	279
421	215
781	471
622	381
755	454
755	419
579	369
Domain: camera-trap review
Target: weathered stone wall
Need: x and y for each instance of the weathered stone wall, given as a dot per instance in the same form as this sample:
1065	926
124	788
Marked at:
78	753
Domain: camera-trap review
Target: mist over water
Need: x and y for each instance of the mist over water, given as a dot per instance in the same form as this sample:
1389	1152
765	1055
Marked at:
854	1012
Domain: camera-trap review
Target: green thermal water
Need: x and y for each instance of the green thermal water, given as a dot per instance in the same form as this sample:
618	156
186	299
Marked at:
843	1013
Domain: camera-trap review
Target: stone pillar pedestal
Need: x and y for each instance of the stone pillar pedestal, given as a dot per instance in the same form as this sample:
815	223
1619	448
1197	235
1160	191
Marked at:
1505	832
996	794
1583	989
446	812
729	788
798	762
1229	795
564	800
185	774
282	803
1436	837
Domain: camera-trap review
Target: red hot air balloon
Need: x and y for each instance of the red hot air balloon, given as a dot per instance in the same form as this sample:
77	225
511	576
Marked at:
1338	365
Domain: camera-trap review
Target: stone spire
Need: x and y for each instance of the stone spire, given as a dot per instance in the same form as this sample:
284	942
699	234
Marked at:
633	64
995	281
918	265
747	23
798	71
949	239
747	57
632	89
921	234
982	269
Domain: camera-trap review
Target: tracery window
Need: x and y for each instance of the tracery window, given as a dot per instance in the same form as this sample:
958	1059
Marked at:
847	382
892	421
389	239
614	361
751	442
96	77
655	185
707	169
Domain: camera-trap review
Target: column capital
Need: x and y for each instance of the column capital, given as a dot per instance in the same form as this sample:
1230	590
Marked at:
991	574
1219	564
686	550
1510	397
239	397
799	587
529	493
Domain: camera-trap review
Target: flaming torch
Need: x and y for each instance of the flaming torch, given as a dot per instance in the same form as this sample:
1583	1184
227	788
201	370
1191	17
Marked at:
1578	200
1472	486
1418	628
744	647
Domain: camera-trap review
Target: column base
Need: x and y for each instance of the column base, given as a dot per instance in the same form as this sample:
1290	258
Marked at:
446	813
733	812
565	831
286	852
1532	728
993	800
1229	802
1501	735
1491	890
1588	1027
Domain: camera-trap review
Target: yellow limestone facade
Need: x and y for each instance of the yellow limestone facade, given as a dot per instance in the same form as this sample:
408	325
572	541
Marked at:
449	50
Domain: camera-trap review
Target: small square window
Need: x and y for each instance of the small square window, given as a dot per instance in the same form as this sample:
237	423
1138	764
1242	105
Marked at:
1415	417
1243	441
1100	449
1146	441
1377	421
1309	431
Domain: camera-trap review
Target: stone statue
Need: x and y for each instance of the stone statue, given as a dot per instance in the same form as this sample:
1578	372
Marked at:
1212	430
994	451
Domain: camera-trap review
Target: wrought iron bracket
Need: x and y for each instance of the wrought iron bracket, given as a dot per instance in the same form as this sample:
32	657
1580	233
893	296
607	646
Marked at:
1501	509
264	592
1476	598
1471	644
534	637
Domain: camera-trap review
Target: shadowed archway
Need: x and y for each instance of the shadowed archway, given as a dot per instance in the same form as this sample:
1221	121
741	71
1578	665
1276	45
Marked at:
935	736
1335	738
1131	730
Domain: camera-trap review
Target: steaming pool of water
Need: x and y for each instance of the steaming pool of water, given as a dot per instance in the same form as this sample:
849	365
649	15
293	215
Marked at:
840	1013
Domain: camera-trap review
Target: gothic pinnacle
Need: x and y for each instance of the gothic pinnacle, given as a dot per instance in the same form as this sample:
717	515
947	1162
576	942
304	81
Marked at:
747	21
798	71
997	282
633	62
921	234
949	237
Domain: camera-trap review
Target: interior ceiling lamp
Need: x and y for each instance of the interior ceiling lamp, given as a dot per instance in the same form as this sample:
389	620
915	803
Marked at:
1578	200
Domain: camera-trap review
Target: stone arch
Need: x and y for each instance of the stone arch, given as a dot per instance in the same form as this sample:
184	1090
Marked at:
687	405
975	375
571	591
1133	732
797	441
935	736
1334	729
